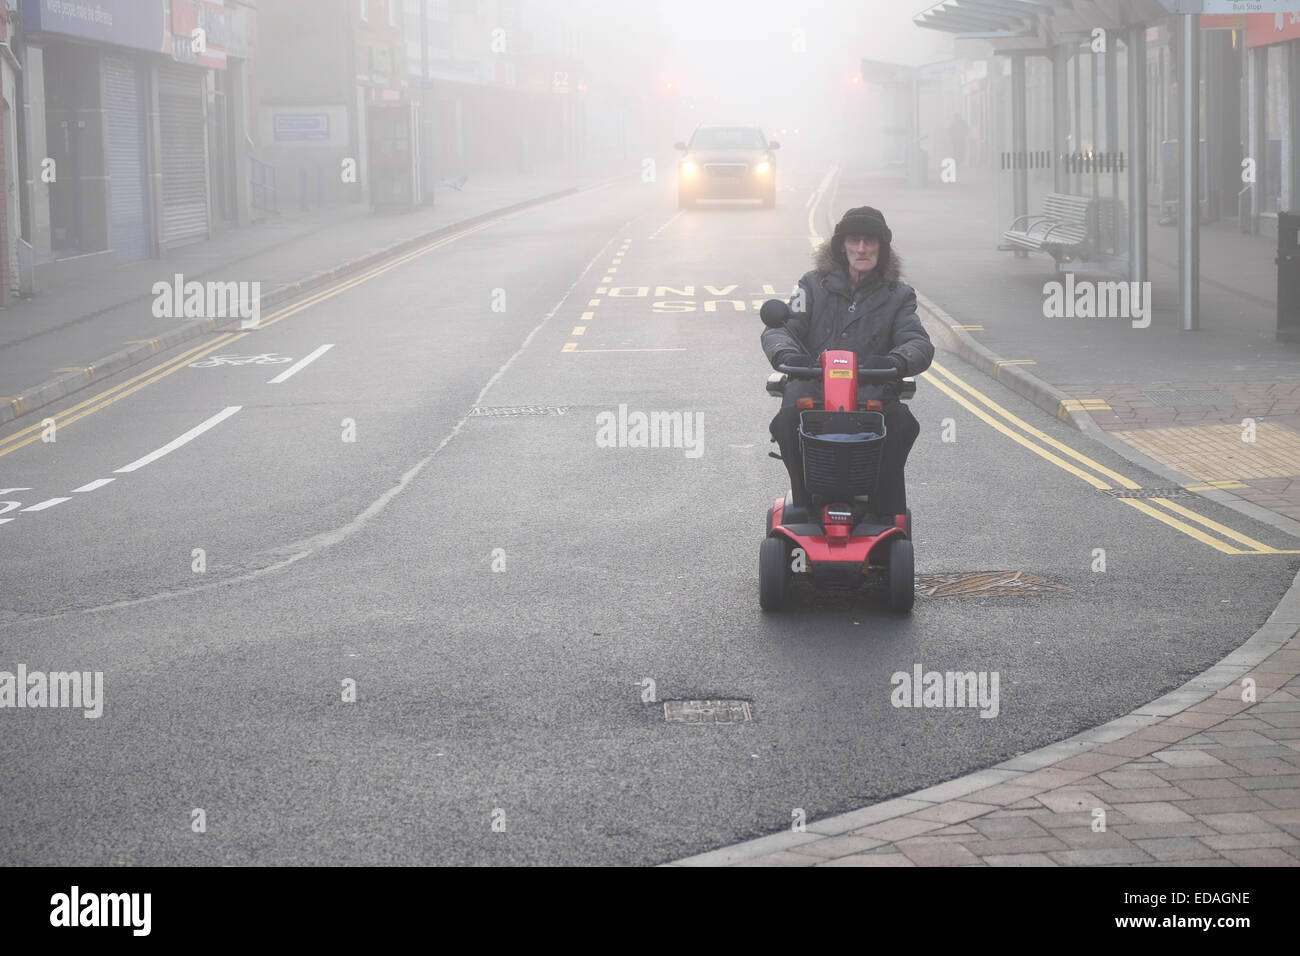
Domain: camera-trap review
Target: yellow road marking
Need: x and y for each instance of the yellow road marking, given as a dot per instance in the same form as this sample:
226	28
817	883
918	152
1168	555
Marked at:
1081	405
1014	436
1146	507
1187	529
182	358
65	418
129	387
152	343
1002	362
1096	466
588	316
570	347
579	330
595	302
1210	523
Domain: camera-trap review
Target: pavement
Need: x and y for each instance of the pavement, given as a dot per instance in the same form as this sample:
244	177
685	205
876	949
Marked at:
1208	774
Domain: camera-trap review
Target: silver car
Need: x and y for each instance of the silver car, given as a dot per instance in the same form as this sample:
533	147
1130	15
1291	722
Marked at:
727	162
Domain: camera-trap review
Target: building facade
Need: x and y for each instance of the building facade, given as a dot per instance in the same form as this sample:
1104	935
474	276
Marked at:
133	126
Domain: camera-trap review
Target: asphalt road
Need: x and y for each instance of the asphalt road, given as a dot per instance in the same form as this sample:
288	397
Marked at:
499	586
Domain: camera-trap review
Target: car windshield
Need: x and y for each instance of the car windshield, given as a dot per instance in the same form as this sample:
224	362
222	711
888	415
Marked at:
728	139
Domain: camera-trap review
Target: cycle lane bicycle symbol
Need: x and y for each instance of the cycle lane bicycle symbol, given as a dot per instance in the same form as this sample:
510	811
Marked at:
266	358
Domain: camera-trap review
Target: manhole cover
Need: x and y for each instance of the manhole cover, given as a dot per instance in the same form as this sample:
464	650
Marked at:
983	584
1174	492
708	711
510	411
1188	397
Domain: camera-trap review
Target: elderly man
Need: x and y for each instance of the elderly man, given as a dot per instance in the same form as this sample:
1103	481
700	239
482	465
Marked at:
854	300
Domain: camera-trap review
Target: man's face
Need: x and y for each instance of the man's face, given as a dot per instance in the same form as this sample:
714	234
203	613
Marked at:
862	252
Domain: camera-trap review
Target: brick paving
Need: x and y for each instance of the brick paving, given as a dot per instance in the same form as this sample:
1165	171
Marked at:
1215	783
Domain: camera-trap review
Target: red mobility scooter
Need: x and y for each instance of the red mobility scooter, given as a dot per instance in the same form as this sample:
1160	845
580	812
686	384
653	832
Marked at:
837	542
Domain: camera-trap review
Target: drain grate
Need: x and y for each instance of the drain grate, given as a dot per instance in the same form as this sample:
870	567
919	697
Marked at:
512	411
1174	492
984	584
1189	397
708	711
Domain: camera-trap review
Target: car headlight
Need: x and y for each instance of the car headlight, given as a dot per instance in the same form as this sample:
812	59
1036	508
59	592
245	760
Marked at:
688	168
764	168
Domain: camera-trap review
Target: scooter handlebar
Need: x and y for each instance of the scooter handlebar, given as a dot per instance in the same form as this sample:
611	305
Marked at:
866	376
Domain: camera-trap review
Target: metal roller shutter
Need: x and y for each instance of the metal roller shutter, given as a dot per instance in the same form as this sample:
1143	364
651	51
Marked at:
124	122
184	155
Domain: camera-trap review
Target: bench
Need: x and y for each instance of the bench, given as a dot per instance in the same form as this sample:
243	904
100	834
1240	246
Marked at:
1064	229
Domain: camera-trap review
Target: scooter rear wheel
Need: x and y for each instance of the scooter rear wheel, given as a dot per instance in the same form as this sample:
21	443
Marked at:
902	576
773	574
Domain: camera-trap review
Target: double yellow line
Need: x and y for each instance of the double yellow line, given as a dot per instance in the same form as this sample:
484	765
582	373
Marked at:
1098	475
107	397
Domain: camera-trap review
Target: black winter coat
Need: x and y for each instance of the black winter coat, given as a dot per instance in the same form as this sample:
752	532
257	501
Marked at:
878	318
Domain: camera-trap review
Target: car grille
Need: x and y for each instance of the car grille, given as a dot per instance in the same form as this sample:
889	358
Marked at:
725	172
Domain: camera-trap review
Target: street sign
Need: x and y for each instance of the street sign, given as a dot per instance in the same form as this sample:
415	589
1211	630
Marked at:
1231	6
301	127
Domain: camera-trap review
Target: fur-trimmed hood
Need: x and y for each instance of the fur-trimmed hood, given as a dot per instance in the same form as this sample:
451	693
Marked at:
825	262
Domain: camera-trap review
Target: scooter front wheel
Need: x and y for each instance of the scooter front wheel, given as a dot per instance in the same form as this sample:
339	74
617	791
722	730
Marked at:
773	574
902	575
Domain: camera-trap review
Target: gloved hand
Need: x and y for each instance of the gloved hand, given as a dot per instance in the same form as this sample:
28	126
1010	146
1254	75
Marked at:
796	359
890	361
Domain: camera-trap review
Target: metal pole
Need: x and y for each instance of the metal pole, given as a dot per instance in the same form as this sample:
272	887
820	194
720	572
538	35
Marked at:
1115	240
1019	135
1137	172
1189	219
1060	118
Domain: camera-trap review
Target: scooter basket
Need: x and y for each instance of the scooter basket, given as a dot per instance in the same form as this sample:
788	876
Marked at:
841	452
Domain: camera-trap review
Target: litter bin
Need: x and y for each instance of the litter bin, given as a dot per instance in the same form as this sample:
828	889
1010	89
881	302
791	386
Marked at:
1288	277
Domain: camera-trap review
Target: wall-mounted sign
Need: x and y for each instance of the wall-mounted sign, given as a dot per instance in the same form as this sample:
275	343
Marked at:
198	32
131	23
1231	6
1265	29
301	127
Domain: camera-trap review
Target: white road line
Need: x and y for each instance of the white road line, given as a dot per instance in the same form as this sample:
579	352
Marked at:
814	237
300	364
5	491
5	520
666	224
171	446
97	483
47	504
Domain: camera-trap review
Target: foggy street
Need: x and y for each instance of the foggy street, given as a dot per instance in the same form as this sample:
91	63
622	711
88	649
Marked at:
388	571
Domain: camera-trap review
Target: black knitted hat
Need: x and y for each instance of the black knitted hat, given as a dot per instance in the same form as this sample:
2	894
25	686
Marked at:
863	221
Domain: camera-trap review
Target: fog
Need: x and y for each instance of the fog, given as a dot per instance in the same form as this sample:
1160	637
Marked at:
785	66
